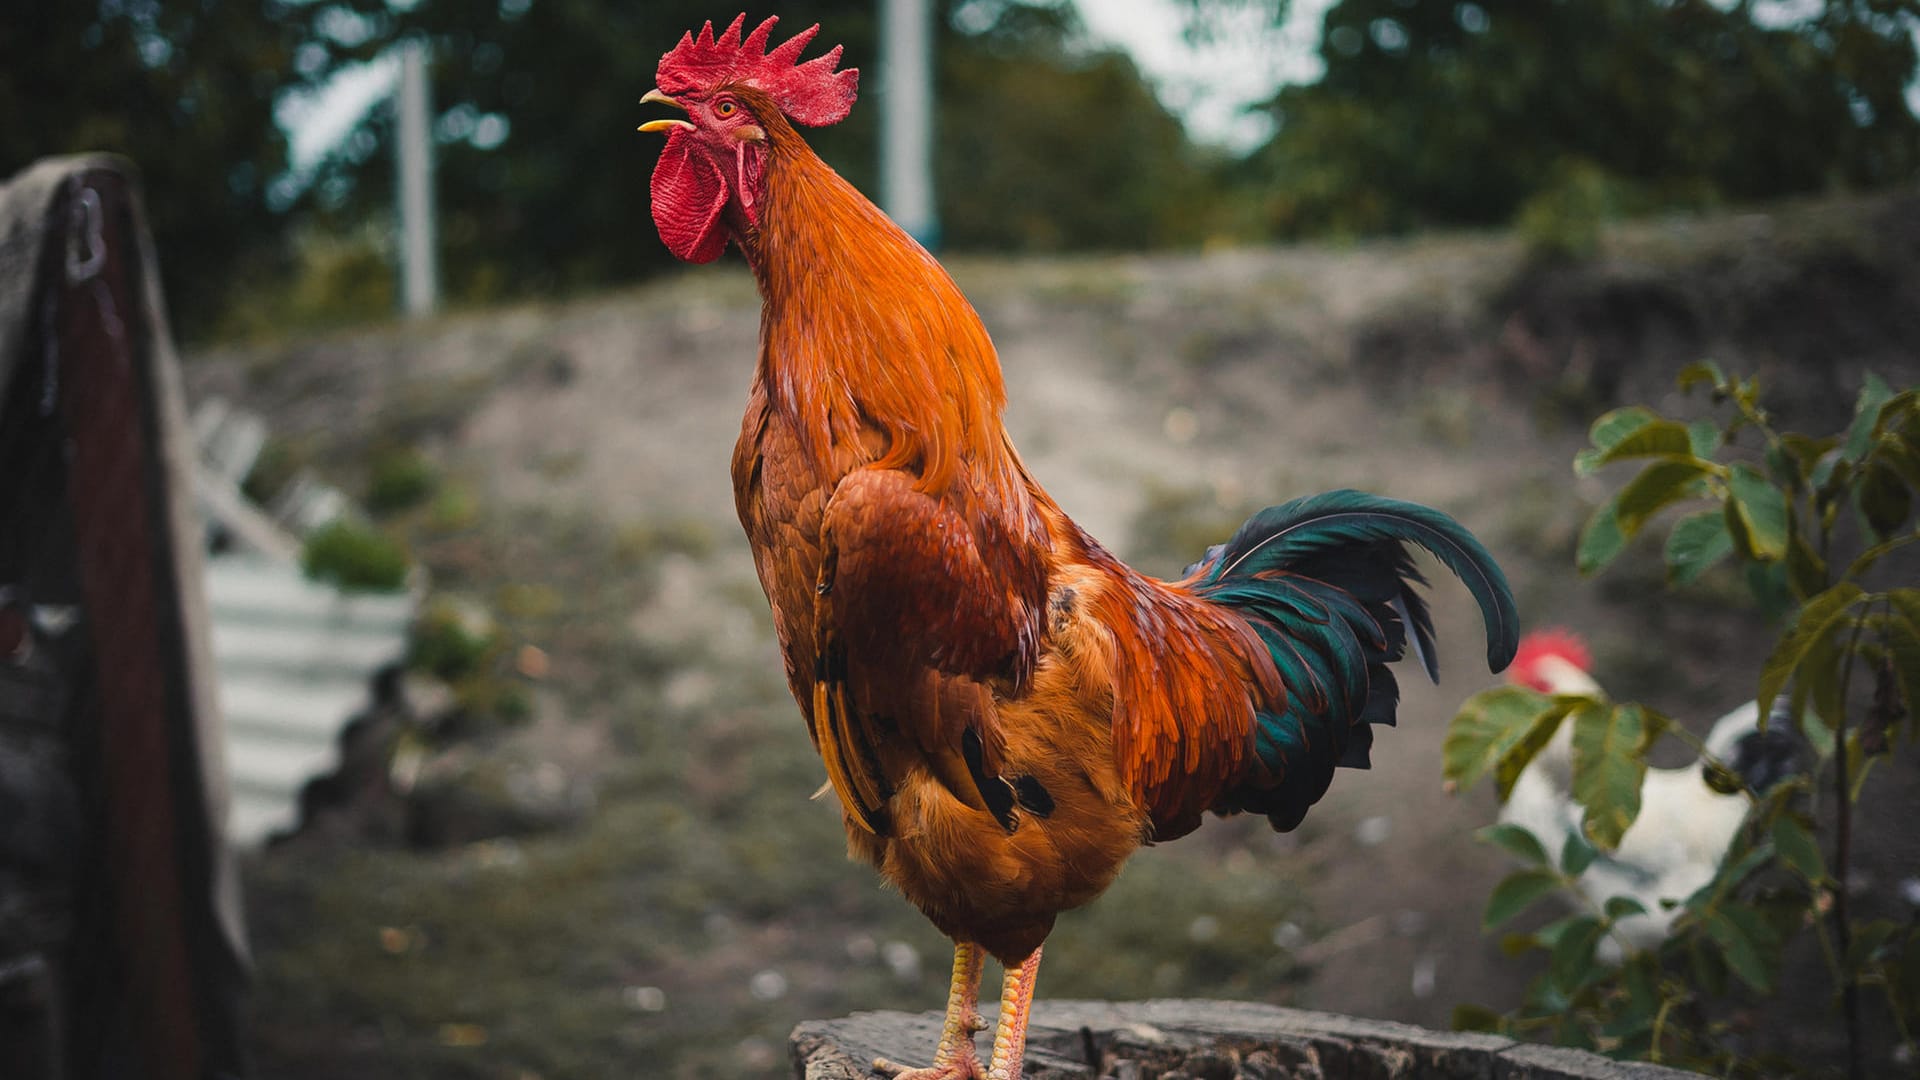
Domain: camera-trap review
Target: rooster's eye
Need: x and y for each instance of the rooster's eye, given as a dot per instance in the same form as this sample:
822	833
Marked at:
725	108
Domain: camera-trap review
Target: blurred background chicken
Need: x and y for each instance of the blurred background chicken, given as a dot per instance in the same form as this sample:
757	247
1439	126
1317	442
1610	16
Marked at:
1685	821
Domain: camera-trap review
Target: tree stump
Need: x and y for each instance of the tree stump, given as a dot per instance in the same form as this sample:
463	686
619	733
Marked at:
1207	1040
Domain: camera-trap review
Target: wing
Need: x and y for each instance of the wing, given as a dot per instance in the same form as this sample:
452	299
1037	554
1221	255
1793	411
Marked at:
924	606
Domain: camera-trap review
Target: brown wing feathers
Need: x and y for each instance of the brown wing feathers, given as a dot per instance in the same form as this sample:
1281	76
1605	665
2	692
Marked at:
910	622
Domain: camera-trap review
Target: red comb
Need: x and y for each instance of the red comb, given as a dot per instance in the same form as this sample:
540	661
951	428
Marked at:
811	93
1540	645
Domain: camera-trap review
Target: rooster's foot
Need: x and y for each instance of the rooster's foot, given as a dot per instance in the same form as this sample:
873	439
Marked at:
967	1068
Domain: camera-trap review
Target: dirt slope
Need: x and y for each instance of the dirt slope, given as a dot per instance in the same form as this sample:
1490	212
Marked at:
1159	399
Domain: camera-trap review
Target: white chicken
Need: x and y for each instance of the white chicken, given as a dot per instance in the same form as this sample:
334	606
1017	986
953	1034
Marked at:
1684	826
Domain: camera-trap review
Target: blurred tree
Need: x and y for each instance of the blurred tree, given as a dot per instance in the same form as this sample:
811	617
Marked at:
1044	147
542	182
185	90
1461	111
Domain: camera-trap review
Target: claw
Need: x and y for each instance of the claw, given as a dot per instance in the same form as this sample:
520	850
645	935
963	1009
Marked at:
960	1070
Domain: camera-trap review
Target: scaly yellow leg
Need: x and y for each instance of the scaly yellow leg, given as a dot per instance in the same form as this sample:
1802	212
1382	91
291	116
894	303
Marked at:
1016	1002
955	1058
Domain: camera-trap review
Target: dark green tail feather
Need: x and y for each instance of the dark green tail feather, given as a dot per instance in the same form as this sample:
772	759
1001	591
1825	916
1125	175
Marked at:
1328	584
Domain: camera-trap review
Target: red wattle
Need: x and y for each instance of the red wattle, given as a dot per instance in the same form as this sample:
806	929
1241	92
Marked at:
689	192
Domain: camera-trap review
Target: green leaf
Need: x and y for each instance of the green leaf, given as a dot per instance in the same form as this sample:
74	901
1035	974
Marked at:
1806	571
1767	581
1639	977
1699	372
1609	763
1866	416
1869	937
1619	907
1697	542
1549	935
1807	450
1708	966
1818	617
1735	871
1781	466
1651	438
1902	456
1487	726
1607	431
1601	541
1576	855
1816	682
1506	771
1477	1018
1703	438
1819	738
1744	941
1883	499
1798	848
1519	944
1859	764
1659	485
1874	554
1903	642
1519	891
1571	966
1515	840
1762	510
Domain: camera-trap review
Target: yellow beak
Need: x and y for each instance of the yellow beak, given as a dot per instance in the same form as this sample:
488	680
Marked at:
655	95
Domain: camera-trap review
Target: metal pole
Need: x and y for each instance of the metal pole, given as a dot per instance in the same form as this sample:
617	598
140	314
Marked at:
419	277
906	132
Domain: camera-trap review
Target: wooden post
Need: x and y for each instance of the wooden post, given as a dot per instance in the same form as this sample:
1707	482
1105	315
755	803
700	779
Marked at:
906	119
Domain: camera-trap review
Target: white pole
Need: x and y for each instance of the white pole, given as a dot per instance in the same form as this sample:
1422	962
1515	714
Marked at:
906	131
419	284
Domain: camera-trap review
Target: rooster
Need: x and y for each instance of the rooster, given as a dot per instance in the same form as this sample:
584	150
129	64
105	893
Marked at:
1004	710
1686	819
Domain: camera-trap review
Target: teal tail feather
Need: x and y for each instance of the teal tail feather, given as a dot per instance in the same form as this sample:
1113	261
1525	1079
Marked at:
1328	584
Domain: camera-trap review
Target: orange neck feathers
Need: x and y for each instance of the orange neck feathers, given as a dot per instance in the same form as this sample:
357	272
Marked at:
860	326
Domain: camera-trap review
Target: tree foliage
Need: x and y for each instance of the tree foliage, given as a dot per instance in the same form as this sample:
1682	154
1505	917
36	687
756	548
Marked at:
1430	112
1038	145
1810	521
1463	111
185	90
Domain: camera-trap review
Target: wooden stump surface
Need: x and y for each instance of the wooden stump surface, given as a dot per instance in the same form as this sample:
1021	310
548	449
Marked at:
1206	1040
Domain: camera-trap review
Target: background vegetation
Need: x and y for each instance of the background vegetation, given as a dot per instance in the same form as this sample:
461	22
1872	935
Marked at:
689	907
1430	112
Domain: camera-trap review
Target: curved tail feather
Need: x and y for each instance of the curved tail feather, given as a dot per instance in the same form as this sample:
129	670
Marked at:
1328	584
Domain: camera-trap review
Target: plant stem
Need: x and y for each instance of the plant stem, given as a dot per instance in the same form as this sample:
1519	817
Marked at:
1842	856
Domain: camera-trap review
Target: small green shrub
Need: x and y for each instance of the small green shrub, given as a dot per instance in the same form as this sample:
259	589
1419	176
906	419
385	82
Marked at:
452	638
454	508
354	556
279	461
400	479
1563	221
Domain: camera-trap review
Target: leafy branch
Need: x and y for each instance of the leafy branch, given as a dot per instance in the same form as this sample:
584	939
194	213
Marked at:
1787	509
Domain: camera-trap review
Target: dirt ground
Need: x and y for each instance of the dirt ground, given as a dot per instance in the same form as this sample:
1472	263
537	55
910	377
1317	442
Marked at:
704	906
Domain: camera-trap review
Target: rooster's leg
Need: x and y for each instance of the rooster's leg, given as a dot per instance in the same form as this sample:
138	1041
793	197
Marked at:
1010	1038
955	1058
